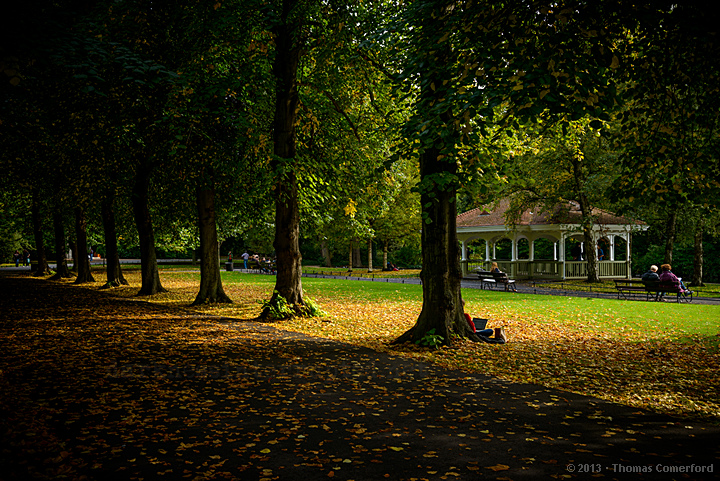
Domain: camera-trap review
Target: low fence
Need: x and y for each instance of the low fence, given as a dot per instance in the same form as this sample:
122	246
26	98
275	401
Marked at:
549	269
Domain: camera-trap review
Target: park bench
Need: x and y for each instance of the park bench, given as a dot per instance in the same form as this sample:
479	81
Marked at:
651	290
486	279
631	289
661	288
502	278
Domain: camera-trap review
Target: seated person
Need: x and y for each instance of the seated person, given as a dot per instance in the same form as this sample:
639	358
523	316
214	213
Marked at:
651	275
485	334
667	276
495	269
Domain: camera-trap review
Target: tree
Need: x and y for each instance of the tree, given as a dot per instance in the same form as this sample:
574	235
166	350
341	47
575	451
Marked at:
668	131
557	165
460	62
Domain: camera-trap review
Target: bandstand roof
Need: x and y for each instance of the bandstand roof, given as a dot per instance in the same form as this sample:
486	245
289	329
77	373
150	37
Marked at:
493	215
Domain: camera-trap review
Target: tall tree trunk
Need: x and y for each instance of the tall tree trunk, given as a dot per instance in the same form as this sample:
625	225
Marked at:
211	289
150	283
385	253
327	257
115	276
41	269
357	256
442	308
74	255
370	263
287	212
670	227
61	268
587	220
350	257
697	278
84	272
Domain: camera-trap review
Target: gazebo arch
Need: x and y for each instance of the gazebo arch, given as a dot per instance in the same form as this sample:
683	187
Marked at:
561	225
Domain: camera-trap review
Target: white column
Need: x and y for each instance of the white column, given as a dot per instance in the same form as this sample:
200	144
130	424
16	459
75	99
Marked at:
582	251
562	256
464	250
555	250
513	255
532	250
494	256
487	250
611	238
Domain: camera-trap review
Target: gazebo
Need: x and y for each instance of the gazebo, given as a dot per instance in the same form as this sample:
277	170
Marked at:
545	244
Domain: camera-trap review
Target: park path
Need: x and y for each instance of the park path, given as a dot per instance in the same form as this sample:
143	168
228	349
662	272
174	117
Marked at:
97	387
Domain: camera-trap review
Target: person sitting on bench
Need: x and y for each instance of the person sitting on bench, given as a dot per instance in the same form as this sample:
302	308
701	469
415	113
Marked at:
667	276
651	275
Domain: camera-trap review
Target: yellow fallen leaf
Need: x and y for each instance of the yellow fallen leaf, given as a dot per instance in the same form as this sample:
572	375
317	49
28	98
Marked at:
499	467
265	451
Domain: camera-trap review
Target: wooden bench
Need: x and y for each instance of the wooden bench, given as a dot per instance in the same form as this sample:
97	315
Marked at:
660	288
631	289
651	290
486	279
502	278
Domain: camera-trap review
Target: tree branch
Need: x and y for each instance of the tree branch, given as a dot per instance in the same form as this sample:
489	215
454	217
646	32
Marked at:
335	103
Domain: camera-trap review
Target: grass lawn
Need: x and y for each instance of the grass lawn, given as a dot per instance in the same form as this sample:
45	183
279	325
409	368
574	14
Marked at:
659	356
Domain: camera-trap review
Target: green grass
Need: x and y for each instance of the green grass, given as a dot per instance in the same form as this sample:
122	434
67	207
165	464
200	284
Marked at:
657	320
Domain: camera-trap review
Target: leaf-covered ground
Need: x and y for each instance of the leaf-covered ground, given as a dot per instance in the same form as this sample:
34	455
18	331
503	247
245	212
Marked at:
667	363
95	386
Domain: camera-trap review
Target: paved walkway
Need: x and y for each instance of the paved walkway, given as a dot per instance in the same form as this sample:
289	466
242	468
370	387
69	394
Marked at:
108	388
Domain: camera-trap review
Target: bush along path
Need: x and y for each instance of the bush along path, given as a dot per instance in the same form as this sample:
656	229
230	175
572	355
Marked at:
97	387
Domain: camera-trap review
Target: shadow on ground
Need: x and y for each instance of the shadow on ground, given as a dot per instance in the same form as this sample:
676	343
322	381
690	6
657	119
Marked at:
101	388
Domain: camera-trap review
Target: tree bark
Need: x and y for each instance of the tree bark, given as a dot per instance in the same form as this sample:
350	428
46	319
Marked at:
287	213
350	257
357	257
327	257
442	308
84	271
61	268
587	220
698	257
370	263
670	227
385	254
42	269
74	255
150	283
114	274
211	289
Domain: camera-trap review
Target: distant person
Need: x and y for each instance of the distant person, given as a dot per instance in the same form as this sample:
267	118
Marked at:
601	252
667	276
576	252
245	256
651	275
26	257
16	258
